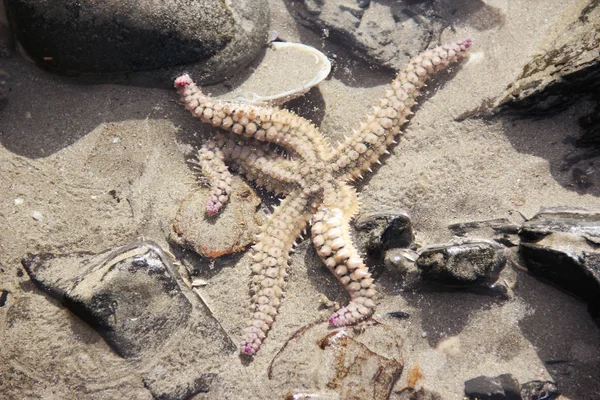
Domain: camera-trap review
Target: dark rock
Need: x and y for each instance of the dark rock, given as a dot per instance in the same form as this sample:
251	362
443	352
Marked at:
213	39
539	390
387	35
360	363
562	246
565	71
502	387
380	232
3	297
133	297
461	264
232	230
501	230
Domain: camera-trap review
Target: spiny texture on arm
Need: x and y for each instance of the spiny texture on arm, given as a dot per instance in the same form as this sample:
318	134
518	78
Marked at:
258	162
269	262
379	129
331	236
260	123
212	162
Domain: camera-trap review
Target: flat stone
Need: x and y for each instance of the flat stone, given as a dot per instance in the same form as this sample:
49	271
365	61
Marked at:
212	38
502	387
230	231
352	363
461	264
561	246
133	297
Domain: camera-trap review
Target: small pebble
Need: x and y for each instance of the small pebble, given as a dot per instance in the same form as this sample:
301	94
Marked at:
36	215
18	201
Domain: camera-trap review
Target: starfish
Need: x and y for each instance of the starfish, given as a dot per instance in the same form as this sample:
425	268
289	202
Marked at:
288	155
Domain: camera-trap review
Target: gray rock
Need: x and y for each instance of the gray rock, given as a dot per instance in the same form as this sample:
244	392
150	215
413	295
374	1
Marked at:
387	35
539	390
112	38
502	387
562	246
461	264
133	297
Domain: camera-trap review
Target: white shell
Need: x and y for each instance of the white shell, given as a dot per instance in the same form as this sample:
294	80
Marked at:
286	71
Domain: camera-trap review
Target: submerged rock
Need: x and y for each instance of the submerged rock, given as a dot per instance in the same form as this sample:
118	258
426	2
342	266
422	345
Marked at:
461	264
351	363
212	38
502	387
562	246
231	231
132	296
388	35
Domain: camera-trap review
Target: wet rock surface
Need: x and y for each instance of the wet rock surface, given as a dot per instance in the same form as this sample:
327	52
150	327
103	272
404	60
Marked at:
561	245
380	33
115	37
357	363
461	264
132	297
231	231
502	387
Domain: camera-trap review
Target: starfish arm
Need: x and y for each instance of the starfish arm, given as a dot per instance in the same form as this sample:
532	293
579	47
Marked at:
212	163
258	162
264	124
379	128
270	257
331	237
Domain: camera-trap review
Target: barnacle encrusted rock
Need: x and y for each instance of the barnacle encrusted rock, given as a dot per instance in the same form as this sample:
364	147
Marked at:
288	155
